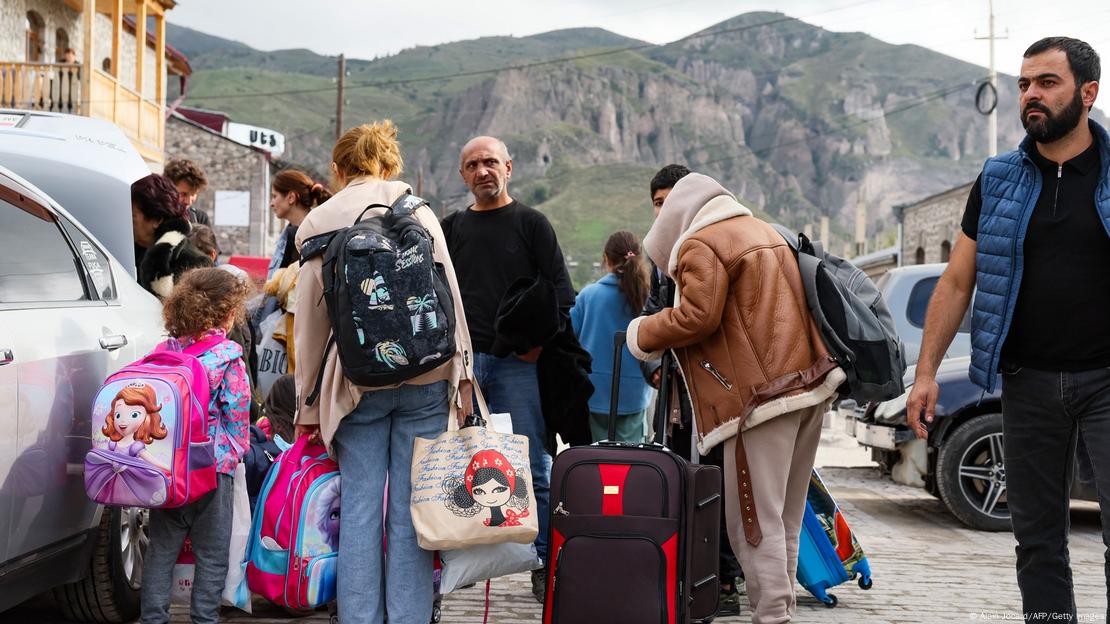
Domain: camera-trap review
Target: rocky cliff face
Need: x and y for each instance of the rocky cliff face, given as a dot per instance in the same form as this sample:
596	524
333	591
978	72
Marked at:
799	121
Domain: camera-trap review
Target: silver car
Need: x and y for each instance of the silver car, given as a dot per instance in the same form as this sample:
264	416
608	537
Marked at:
70	314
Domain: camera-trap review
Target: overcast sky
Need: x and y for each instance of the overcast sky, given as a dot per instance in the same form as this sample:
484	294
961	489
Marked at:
365	29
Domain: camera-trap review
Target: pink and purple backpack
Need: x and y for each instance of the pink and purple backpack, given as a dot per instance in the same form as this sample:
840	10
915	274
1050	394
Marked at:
150	439
294	540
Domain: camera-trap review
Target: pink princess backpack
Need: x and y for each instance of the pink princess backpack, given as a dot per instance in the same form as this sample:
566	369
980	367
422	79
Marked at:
294	540
150	439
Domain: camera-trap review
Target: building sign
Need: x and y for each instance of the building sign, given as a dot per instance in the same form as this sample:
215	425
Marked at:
233	208
262	138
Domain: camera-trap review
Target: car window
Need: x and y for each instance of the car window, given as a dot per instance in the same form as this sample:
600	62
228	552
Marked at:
37	264
94	260
919	301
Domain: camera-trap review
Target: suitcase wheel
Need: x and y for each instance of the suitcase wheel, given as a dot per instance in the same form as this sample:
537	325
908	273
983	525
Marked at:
864	582
831	602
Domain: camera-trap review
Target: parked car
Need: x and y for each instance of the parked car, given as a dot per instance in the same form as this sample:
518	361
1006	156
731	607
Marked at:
70	314
86	165
964	464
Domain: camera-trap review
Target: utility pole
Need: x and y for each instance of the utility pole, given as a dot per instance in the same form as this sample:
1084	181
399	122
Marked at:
992	120
339	98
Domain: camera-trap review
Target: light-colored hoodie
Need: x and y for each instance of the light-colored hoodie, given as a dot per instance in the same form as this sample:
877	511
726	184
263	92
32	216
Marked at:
338	396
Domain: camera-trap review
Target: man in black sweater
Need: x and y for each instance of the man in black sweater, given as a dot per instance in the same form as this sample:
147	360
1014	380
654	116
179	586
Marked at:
493	243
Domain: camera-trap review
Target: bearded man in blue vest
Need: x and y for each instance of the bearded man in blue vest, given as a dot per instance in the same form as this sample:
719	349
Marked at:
1035	242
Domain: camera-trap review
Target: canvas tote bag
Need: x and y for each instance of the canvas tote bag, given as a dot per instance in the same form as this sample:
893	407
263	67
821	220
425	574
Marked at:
472	486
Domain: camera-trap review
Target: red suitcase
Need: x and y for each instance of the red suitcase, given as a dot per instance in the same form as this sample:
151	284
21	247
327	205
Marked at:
634	531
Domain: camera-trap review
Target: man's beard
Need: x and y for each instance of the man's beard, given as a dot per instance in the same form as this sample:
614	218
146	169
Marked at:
1053	127
490	191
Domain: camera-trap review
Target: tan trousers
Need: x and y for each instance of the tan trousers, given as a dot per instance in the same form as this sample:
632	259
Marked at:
780	454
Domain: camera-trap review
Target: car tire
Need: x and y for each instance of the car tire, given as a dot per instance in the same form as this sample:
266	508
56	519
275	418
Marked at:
970	474
110	590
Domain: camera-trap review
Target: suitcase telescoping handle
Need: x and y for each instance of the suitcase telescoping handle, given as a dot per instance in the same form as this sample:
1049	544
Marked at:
618	356
663	398
663	403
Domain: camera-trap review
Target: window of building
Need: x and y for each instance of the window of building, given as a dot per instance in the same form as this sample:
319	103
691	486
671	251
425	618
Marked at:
945	251
61	44
919	256
36	37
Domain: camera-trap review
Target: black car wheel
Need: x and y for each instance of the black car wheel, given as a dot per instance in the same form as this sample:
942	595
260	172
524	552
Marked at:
110	590
971	475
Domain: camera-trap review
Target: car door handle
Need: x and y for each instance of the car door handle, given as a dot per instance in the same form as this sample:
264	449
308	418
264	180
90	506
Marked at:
6	356
111	343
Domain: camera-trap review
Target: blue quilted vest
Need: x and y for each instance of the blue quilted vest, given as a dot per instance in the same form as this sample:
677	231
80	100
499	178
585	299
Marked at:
1010	187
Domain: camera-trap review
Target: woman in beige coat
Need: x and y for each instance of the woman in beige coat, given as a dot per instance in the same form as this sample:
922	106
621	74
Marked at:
370	431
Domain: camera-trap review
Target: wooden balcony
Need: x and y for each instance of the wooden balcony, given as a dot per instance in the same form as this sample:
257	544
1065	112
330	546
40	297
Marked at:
85	90
41	86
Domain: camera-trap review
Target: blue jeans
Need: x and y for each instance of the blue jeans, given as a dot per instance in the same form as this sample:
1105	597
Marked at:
1043	415
510	385
373	441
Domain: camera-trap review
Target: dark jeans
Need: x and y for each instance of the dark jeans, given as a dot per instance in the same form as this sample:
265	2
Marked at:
1043	413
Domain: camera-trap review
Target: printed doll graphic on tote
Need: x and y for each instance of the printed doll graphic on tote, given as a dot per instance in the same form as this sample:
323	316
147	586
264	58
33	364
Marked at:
490	483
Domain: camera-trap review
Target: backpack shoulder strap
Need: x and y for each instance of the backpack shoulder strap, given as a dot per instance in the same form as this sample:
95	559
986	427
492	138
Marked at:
788	234
316	245
407	204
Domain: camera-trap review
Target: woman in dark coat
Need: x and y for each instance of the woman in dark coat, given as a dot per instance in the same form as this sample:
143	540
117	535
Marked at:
162	248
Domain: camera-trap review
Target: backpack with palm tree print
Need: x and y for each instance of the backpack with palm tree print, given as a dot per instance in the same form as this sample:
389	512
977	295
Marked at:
390	306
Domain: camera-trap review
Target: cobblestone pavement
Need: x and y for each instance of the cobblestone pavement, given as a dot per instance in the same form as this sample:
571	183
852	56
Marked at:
927	567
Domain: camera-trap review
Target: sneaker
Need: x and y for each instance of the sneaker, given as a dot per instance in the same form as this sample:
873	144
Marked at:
741	585
729	603
539	584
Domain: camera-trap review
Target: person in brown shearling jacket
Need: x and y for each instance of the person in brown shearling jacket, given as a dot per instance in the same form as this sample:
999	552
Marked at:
759	375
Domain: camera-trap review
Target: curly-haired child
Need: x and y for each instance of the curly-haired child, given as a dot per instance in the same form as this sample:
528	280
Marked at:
203	306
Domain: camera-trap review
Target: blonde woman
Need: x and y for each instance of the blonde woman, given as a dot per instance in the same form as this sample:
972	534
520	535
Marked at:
370	431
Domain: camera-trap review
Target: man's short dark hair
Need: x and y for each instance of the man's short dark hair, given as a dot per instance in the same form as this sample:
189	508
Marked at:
667	177
181	170
1082	58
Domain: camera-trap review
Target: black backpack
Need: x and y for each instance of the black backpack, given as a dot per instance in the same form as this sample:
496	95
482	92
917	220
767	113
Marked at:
391	310
853	320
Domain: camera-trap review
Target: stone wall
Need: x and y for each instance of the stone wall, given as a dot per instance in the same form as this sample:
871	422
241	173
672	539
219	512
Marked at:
56	15
229	167
932	222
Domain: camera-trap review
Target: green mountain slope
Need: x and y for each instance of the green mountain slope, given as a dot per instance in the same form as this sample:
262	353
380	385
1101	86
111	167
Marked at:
796	120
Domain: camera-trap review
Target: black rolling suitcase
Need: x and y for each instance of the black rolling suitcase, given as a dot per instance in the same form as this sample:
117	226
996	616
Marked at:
634	530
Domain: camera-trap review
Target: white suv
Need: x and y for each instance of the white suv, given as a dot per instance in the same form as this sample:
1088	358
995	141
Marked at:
70	314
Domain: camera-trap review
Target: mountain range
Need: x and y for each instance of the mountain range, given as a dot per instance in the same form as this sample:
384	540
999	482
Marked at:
800	122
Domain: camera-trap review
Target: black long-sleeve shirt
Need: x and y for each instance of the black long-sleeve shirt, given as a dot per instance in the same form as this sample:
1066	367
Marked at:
491	249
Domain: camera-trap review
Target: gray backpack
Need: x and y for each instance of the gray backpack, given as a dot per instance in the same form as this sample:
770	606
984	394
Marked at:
853	319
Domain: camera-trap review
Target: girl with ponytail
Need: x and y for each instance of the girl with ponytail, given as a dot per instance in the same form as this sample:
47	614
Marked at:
602	309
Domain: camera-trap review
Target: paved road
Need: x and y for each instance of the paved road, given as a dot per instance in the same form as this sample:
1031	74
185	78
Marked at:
927	568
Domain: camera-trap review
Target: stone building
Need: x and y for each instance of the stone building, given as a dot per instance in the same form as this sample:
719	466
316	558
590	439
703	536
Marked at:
930	226
238	194
114	77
